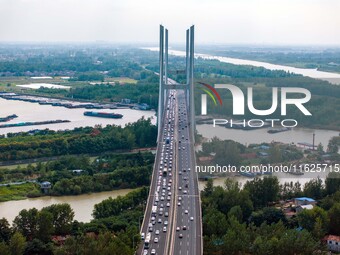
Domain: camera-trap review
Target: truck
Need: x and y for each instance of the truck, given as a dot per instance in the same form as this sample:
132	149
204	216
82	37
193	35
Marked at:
154	210
165	171
147	241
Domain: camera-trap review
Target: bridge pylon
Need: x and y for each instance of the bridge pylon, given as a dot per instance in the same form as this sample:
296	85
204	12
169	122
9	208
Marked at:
164	82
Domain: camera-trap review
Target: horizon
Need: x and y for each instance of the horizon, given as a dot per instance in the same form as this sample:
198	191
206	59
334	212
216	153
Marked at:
259	22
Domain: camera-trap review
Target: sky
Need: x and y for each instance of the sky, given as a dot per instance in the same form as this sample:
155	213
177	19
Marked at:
281	22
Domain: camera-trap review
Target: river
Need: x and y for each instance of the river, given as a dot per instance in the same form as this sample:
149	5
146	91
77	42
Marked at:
313	73
282	177
27	111
247	137
82	205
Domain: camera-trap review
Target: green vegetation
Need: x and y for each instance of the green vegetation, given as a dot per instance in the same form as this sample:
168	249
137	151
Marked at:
250	221
17	192
53	230
229	152
80	140
322	59
107	172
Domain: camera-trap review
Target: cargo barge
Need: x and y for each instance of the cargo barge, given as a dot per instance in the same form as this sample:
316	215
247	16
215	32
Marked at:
279	130
22	124
104	115
8	118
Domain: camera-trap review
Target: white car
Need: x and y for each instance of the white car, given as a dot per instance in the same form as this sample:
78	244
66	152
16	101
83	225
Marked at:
191	218
156	240
186	212
157	232
153	252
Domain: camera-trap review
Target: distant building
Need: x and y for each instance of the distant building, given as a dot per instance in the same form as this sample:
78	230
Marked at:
45	186
263	154
300	208
333	243
77	171
248	155
304	201
126	101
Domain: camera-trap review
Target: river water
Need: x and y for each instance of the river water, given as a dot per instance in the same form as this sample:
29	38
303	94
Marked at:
27	111
247	137
313	73
82	205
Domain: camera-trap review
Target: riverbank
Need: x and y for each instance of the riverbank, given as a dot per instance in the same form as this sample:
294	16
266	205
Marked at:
82	205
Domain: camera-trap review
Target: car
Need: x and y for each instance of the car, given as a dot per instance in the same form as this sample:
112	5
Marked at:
155	240
142	236
166	223
157	232
186	212
153	218
180	236
185	192
180	188
166	214
150	229
153	252
179	198
164	229
145	252
180	172
179	203
168	205
191	218
178	229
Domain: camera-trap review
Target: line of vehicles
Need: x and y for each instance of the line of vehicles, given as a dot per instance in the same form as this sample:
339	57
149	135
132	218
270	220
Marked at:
158	223
172	186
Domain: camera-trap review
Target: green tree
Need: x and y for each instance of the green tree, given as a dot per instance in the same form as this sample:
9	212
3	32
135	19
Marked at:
263	191
5	230
332	183
45	226
17	244
4	249
62	217
236	212
315	220
237	239
214	223
334	219
314	188
27	223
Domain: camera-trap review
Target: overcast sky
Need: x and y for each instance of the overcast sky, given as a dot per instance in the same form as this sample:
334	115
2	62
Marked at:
216	21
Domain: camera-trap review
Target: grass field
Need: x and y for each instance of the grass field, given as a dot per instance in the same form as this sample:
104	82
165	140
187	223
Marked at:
18	192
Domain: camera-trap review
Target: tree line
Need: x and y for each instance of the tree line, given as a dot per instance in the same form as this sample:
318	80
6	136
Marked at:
240	220
88	140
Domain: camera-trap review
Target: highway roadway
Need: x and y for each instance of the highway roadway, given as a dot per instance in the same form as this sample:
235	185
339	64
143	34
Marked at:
172	218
